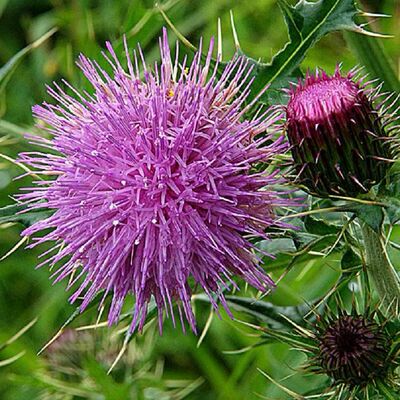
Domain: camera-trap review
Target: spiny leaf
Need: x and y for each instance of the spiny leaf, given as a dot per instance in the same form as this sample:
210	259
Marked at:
291	393
307	22
371	54
75	314
292	339
387	391
350	259
389	194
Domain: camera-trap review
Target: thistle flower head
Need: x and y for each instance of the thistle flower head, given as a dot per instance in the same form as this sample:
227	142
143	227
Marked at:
155	189
353	350
357	351
337	136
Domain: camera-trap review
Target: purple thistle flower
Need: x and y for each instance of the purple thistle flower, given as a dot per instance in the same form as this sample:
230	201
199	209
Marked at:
154	184
337	136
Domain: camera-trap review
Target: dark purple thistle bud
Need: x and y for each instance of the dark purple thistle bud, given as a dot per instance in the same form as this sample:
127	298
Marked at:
356	351
337	137
353	350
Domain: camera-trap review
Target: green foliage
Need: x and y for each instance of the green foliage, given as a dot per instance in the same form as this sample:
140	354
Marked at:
15	213
11	340
389	194
371	214
319	226
9	68
350	260
371	54
307	22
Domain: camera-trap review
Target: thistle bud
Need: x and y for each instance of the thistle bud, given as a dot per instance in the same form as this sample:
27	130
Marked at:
353	350
357	350
337	136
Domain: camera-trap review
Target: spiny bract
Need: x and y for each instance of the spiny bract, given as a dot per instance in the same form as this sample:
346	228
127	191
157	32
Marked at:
154	182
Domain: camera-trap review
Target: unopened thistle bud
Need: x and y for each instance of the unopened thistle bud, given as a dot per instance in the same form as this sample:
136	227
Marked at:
357	351
337	136
353	350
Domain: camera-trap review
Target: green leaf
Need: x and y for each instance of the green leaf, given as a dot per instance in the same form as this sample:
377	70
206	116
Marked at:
110	389
388	392
74	315
297	341
18	334
12	214
11	360
277	246
392	209
306	242
350	259
389	194
72	390
372	215
267	313
307	22
319	226
3	5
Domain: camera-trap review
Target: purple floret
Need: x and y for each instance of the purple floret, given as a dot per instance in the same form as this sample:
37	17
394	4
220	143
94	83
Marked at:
154	183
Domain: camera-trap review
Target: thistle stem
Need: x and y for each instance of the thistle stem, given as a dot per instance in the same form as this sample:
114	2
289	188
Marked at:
380	269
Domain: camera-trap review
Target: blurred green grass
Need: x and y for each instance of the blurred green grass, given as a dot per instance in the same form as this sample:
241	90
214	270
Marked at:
84	26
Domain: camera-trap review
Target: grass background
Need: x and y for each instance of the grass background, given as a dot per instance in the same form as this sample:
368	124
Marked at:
158	367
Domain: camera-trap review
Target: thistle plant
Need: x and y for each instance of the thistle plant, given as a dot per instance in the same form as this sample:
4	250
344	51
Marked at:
172	191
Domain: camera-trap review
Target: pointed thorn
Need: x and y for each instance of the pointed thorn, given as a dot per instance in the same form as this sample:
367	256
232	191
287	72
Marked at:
372	34
219	51
235	37
373	15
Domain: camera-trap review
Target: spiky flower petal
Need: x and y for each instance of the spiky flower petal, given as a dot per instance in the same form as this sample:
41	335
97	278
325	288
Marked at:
155	186
337	137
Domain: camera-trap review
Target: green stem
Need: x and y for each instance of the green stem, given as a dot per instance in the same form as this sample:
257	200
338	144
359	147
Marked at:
380	269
